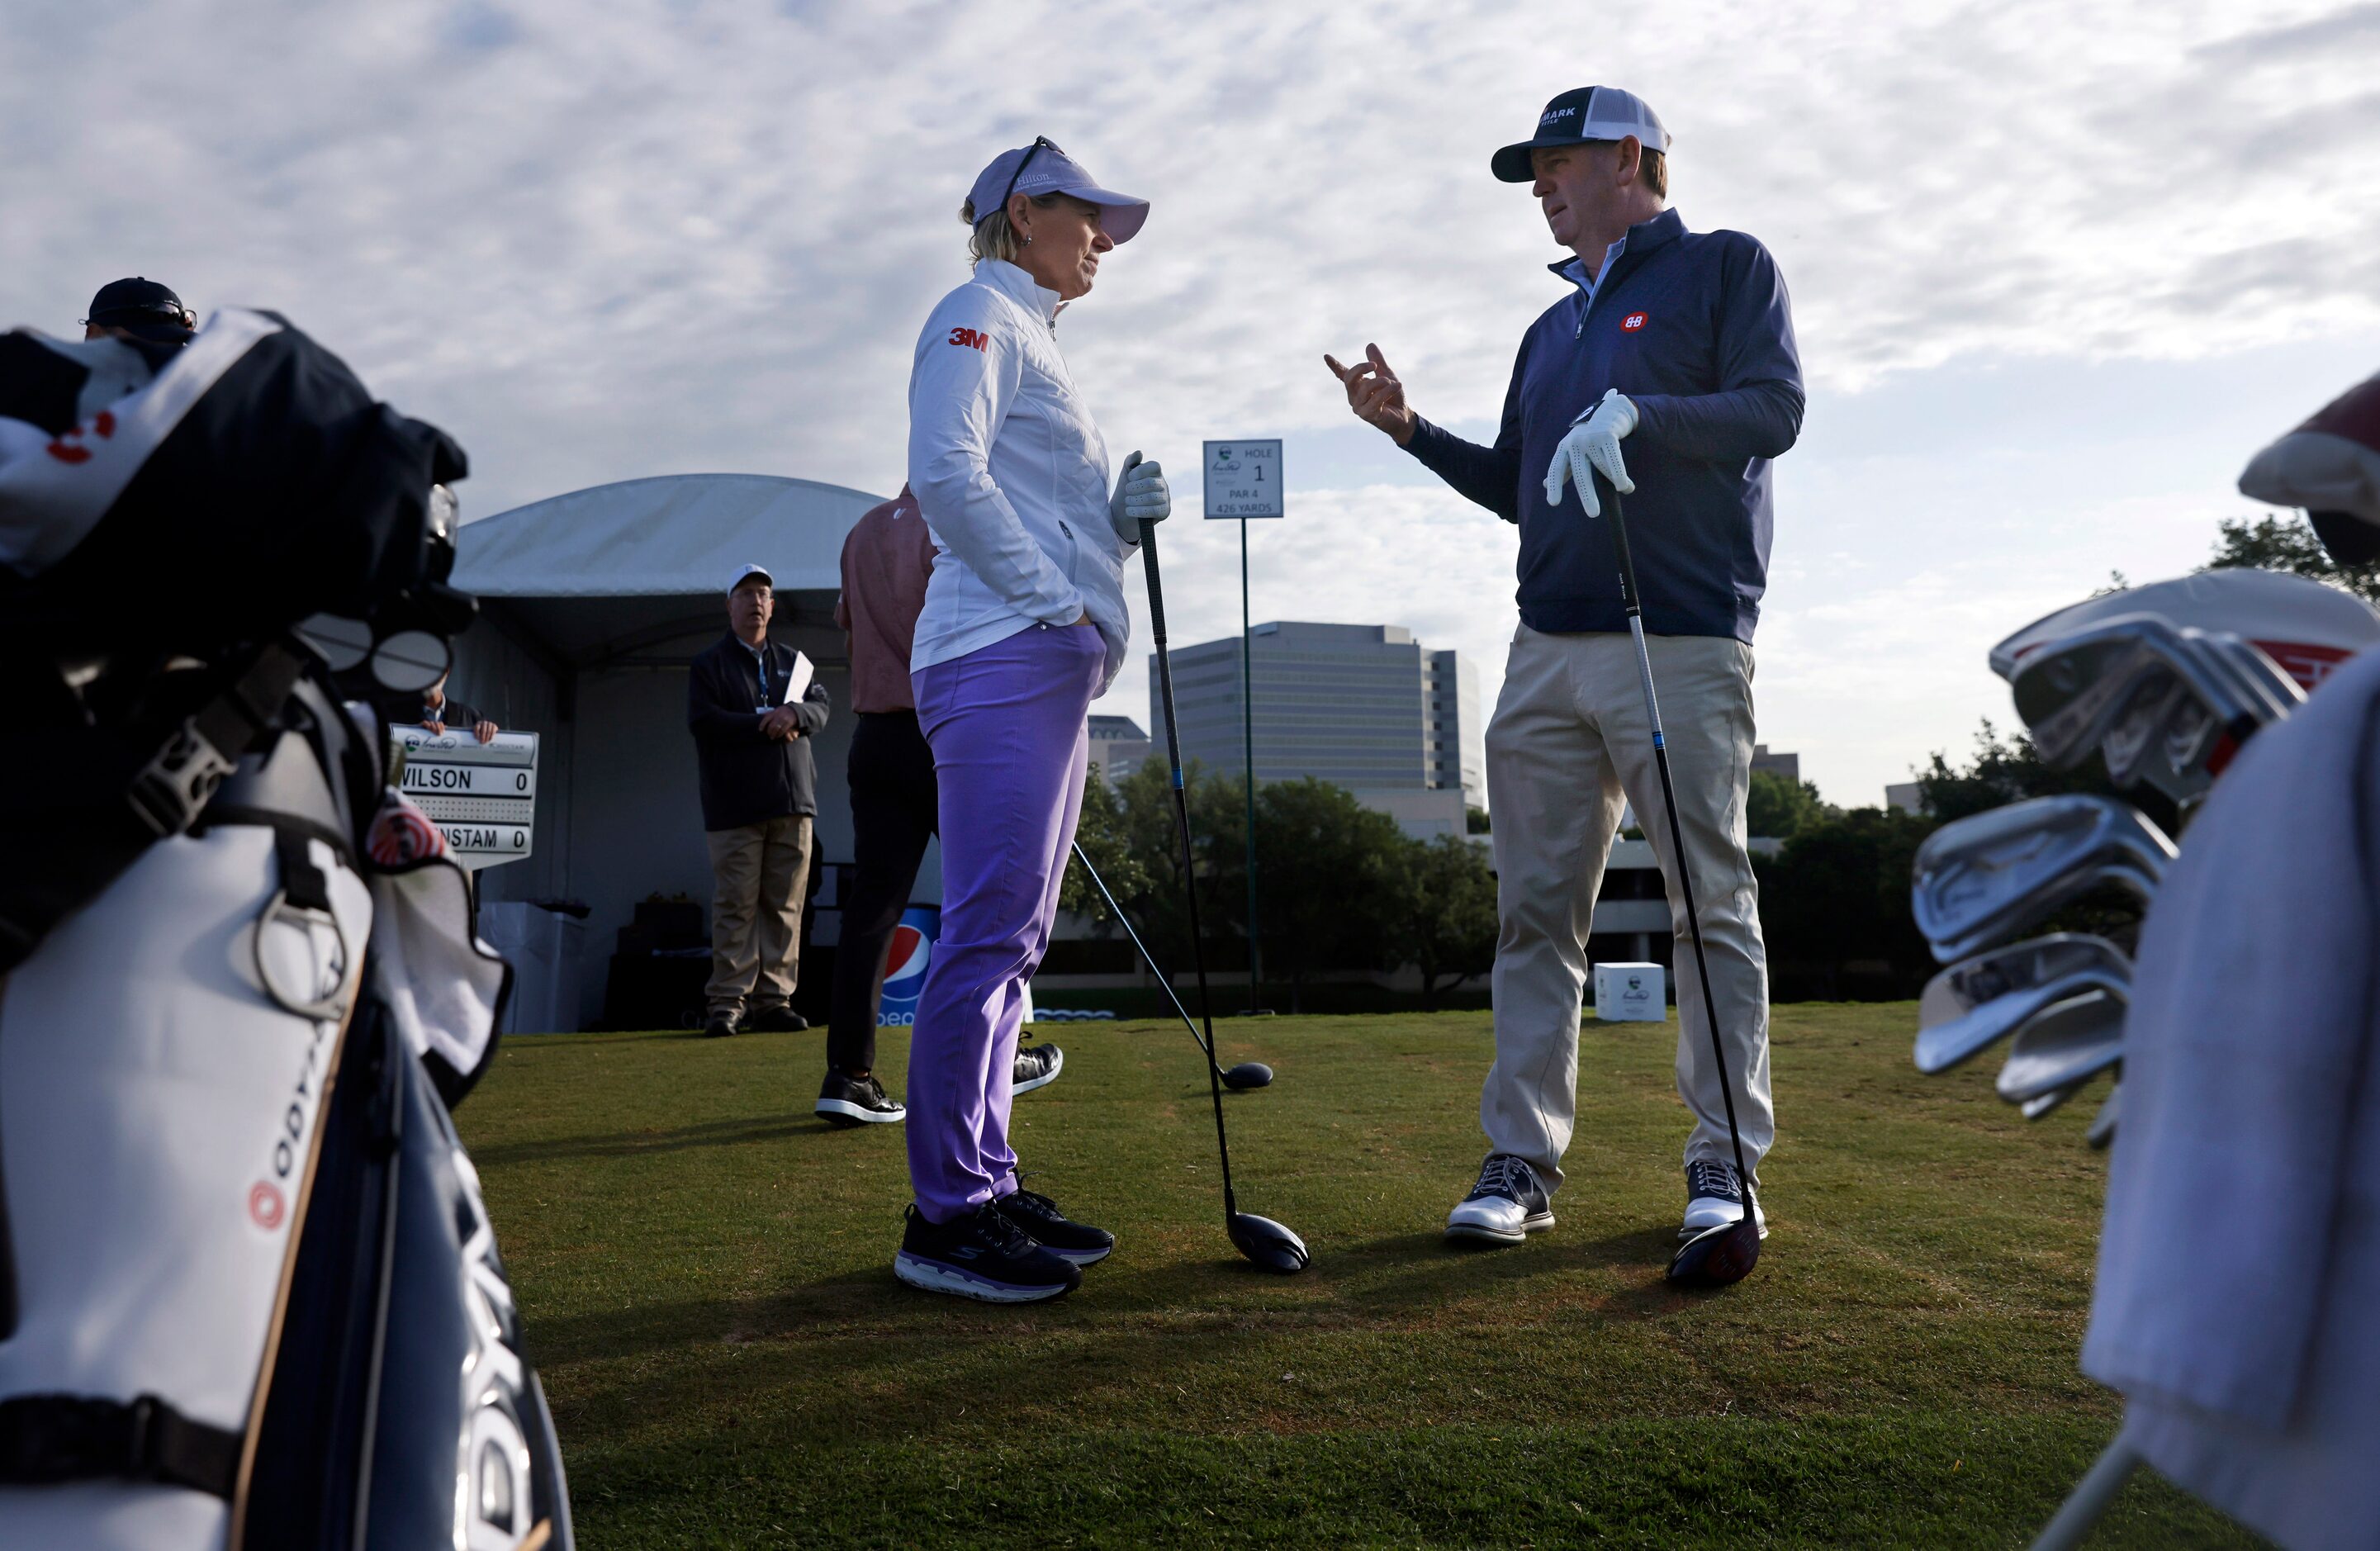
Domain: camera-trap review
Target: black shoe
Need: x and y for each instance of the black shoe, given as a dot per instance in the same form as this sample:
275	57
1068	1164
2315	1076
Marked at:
981	1255
720	1026
856	1102
1507	1205
1038	1066
1039	1216
775	1020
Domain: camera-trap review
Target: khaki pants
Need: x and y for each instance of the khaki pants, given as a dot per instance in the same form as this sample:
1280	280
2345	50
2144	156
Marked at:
1569	738
759	874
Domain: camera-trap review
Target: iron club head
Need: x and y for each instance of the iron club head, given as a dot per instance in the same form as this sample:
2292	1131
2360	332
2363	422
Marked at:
2063	1045
1248	1074
1718	1256
1267	1242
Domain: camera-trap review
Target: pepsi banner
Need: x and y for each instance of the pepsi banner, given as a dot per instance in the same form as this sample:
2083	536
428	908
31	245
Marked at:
904	965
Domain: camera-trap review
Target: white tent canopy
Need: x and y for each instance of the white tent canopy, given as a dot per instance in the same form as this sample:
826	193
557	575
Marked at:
616	569
592	604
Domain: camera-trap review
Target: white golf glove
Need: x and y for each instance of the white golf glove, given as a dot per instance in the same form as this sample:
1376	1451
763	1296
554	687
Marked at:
1593	443
1141	496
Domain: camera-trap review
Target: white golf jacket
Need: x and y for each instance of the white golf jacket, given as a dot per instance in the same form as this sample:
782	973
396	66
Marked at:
1011	475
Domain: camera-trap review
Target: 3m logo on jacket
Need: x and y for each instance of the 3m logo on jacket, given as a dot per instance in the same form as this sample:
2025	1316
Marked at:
972	338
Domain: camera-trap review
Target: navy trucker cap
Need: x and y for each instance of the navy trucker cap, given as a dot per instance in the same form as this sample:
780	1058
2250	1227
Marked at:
1589	113
1041	168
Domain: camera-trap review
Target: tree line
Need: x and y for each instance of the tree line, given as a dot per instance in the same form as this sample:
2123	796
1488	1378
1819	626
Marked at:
1342	888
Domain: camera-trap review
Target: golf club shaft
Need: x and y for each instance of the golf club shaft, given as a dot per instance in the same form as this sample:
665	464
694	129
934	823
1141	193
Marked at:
1146	956
1677	838
1189	874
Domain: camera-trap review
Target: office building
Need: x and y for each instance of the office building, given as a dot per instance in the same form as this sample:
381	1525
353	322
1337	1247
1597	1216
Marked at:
1361	705
1118	745
1786	765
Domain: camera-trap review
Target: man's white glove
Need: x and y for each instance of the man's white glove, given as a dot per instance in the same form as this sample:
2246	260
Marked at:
1593	443
1141	496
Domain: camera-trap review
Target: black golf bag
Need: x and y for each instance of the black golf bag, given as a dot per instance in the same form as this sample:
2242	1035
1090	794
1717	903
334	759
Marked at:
248	1293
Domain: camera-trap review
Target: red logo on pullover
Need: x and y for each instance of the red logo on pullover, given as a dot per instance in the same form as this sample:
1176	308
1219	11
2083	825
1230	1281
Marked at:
1631	323
970	337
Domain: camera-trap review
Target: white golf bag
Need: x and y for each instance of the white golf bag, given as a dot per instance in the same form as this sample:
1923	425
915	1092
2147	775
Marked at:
248	1293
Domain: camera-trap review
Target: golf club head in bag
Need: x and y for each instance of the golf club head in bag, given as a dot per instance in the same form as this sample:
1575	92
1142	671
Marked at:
2103	1124
1976	1004
2301	624
2164	703
1982	880
2064	1046
1267	1243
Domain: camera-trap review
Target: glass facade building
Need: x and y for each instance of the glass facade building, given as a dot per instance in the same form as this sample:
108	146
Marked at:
1361	705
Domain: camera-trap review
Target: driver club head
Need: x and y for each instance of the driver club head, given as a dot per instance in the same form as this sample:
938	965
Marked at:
1718	1256
1247	1074
1267	1243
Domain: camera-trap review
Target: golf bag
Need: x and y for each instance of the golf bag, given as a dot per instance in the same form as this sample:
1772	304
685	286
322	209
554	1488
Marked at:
249	1295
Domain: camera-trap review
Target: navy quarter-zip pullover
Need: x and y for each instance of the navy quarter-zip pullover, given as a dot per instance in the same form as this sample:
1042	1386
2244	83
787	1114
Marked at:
1696	329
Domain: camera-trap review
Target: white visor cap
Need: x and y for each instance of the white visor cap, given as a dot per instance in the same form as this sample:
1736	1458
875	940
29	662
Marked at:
1041	168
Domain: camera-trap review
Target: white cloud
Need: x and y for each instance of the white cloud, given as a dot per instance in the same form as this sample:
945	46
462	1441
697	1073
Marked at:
599	242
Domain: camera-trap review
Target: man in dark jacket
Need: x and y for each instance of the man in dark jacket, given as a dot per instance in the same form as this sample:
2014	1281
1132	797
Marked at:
1677	349
753	707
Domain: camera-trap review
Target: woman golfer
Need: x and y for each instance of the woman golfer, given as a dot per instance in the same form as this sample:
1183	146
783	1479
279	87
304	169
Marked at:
1024	625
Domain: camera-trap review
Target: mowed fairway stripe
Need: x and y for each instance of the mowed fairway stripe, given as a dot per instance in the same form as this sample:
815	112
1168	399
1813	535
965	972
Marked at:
705	1269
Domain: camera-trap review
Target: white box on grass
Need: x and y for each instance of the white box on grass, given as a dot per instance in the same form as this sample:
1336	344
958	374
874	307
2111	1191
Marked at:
1630	993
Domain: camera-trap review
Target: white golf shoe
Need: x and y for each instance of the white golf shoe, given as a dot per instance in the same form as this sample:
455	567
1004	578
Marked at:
1505	1207
1715	1197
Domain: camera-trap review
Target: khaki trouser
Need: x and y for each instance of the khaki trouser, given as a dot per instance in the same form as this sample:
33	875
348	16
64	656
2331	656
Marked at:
759	874
1569	738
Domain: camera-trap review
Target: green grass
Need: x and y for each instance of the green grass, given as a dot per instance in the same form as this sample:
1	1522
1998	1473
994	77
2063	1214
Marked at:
705	1273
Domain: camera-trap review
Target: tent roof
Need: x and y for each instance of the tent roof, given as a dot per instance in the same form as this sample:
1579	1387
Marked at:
680	534
621	571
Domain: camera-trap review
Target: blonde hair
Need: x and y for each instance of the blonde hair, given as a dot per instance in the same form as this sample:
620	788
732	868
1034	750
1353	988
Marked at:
993	237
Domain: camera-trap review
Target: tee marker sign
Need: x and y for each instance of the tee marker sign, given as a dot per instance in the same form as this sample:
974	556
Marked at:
1243	479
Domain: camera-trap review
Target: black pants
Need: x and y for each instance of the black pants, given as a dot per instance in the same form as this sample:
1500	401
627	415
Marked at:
893	814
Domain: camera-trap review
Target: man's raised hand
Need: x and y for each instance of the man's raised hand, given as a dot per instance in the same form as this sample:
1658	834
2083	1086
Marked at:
1374	394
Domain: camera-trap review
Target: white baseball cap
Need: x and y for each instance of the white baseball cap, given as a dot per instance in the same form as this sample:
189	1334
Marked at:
759	571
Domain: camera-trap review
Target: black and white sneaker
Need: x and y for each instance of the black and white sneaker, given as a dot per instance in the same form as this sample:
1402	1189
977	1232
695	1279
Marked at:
1036	1067
856	1102
981	1255
1505	1207
1715	1197
1053	1230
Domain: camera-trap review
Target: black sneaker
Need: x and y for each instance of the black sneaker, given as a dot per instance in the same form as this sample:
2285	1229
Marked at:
775	1020
981	1255
1053	1230
720	1026
1036	1067
856	1102
1507	1205
1715	1197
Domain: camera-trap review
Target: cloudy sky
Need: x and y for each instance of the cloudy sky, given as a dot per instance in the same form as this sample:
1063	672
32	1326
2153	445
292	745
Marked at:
2058	269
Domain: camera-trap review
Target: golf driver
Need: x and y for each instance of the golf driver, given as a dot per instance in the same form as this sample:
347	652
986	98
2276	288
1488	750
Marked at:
1980	881
1716	1257
2017	985
1248	1074
1262	1240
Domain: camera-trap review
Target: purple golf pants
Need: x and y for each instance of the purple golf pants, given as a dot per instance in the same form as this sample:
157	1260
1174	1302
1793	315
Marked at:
1007	727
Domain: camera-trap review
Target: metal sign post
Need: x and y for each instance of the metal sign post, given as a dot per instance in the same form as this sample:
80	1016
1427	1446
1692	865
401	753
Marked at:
1242	481
482	796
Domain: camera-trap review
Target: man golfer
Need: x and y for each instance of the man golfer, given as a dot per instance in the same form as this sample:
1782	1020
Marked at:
1670	367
